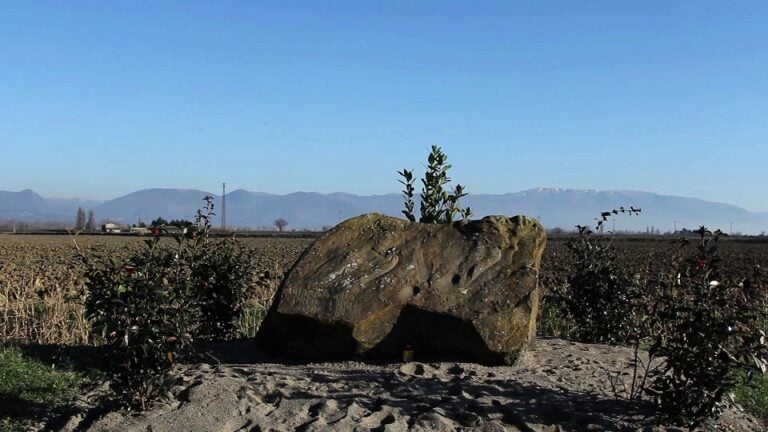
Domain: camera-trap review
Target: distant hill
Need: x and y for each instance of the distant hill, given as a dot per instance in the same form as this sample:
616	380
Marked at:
148	204
21	204
566	207
304	209
28	205
554	207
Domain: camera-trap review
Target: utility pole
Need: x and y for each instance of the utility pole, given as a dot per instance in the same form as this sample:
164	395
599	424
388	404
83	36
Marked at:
731	233
223	206
675	228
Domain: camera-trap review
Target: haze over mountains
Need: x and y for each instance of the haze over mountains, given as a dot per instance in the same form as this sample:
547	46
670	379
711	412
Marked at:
554	207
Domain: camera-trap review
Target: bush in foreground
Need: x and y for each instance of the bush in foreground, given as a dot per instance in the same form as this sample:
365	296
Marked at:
708	333
148	308
702	329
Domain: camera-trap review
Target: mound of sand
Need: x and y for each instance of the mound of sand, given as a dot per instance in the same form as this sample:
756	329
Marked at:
559	386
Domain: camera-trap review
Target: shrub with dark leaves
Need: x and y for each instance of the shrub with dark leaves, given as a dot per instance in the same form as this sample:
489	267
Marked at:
148	308
708	329
602	294
221	277
704	326
145	311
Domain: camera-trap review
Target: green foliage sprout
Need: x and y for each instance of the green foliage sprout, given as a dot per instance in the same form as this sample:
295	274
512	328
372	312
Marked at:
437	204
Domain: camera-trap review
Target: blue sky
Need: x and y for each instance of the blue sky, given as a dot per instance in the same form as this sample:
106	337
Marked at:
102	98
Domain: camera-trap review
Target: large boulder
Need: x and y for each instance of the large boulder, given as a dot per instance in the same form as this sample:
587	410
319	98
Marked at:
374	284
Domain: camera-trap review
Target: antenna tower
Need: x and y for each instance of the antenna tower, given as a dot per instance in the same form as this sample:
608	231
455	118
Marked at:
223	206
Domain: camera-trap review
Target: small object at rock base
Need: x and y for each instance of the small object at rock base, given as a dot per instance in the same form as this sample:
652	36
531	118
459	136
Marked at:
407	354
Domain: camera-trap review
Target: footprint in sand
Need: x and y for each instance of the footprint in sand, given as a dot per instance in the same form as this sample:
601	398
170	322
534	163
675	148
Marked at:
433	421
385	423
247	398
455	370
328	411
415	369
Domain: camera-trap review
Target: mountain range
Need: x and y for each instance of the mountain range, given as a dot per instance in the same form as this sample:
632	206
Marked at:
554	207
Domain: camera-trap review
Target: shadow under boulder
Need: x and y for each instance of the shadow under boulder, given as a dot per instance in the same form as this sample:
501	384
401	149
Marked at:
434	336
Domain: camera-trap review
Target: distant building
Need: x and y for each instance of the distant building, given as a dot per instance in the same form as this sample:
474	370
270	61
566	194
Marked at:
110	227
140	230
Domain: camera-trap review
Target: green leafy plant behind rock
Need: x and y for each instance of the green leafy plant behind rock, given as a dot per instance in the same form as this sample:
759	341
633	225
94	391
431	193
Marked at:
437	204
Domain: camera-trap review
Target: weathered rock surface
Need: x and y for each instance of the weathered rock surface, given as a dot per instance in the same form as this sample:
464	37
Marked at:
375	284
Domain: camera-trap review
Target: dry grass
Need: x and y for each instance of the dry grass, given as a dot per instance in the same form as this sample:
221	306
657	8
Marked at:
39	292
41	283
41	278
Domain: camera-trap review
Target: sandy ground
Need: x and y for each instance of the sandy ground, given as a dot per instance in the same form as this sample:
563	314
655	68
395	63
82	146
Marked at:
559	386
